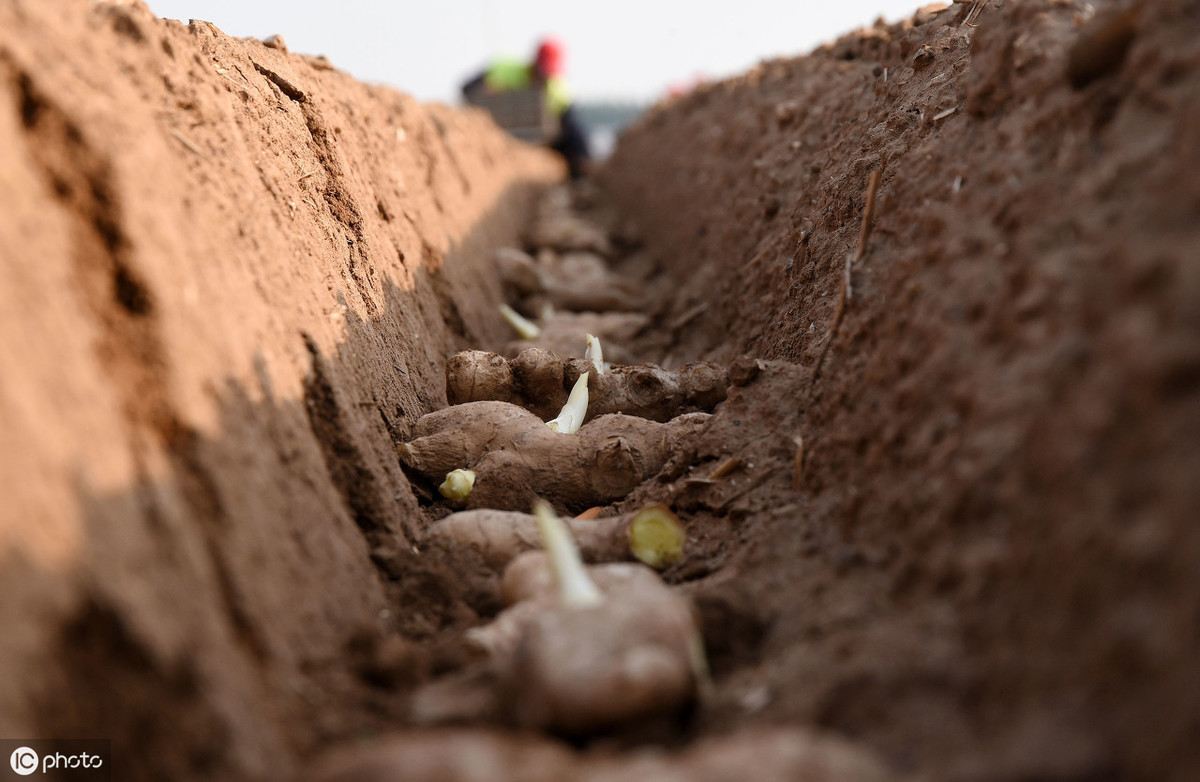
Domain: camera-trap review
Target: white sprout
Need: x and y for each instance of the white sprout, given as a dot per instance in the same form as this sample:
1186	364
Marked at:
570	418
525	328
575	587
458	484
595	354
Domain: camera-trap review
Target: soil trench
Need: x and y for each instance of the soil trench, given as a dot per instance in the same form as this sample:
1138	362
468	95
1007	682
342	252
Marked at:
914	321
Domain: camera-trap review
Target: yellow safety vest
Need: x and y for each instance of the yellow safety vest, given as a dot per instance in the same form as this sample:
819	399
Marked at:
506	75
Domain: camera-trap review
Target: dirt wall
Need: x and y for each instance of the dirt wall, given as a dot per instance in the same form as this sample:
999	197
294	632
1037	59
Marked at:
231	277
989	569
947	516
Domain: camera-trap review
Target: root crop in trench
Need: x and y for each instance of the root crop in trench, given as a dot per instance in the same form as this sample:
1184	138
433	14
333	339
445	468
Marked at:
632	657
946	510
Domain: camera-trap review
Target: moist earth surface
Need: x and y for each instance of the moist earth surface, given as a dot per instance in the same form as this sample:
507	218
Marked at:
941	525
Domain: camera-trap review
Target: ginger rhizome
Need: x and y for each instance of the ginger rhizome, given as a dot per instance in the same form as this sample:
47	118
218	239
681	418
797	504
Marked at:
516	457
652	535
539	381
584	648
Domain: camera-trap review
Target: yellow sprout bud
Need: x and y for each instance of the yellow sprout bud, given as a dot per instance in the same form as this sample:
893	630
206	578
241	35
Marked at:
457	486
525	328
656	537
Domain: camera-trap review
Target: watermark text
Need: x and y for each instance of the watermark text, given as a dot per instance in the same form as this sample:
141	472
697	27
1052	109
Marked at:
53	759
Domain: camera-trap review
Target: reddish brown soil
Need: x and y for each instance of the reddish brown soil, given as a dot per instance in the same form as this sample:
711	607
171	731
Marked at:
232	276
991	566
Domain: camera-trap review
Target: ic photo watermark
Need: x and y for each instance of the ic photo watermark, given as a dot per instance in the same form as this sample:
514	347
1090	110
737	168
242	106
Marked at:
54	759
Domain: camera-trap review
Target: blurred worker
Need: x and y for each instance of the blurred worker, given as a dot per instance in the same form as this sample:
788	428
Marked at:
545	73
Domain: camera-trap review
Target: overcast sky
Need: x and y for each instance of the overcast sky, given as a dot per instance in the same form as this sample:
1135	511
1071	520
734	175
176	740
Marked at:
630	49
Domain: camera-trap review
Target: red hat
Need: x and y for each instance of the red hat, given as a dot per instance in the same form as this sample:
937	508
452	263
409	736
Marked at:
550	55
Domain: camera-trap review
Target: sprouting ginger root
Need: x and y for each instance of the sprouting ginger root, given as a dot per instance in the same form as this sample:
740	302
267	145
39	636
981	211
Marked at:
515	456
578	670
527	587
518	270
563	334
579	281
498	536
591	647
566	233
582	282
652	535
538	381
580	649
535	374
651	392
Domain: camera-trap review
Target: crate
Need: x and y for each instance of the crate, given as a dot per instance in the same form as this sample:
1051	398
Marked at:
523	113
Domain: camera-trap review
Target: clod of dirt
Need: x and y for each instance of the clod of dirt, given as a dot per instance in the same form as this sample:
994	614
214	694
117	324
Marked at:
1102	45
